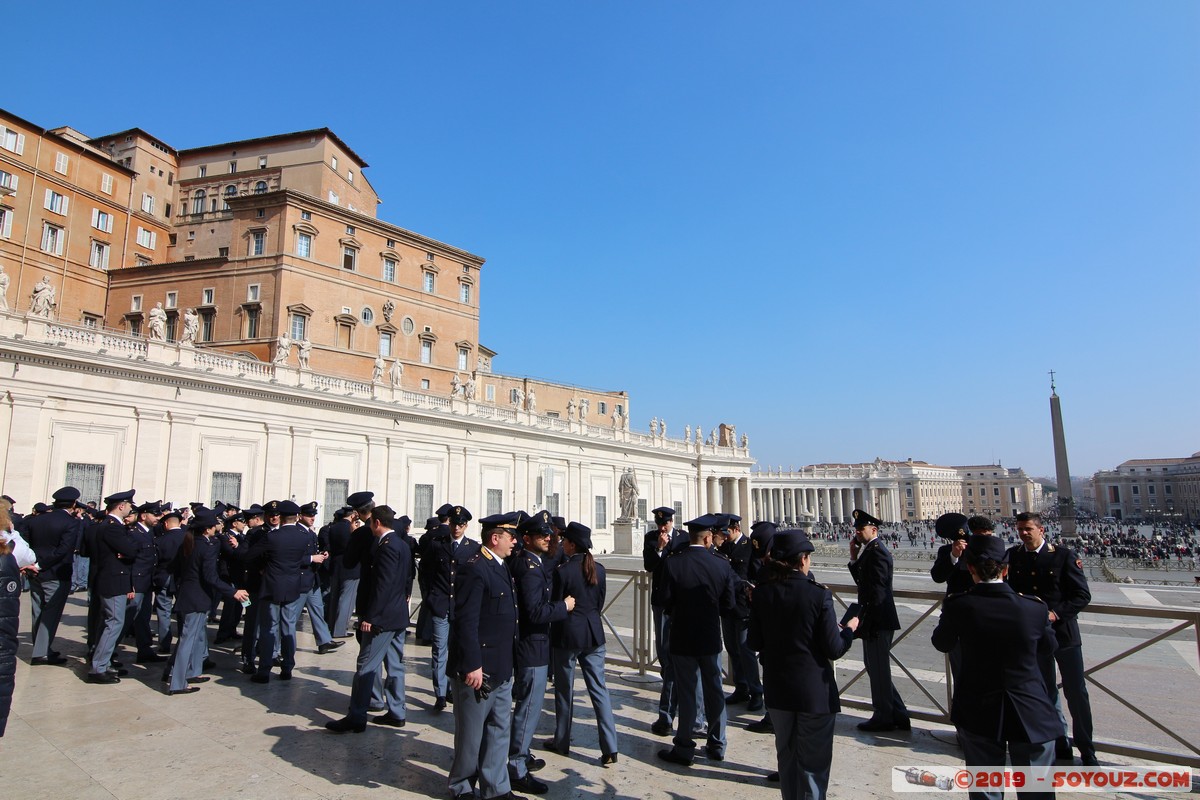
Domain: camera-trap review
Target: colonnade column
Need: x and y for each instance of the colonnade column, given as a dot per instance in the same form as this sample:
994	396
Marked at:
712	498
743	490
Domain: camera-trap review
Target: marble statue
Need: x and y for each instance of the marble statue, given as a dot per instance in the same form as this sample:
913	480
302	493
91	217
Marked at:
283	349
469	388
158	323
396	373
191	326
654	426
687	433
42	301
531	400
571	408
699	434
584	406
303	352
617	417
389	308
745	442
519	398
456	386
627	489
377	370
4	281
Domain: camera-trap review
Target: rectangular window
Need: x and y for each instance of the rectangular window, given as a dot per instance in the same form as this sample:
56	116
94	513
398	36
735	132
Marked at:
222	252
336	492
349	258
490	393
426	352
425	384
12	141
102	220
385	343
389	270
333	198
232	166
6	220
601	521
58	203
463	354
495	501
206	296
678	506
391	244
344	333
146	238
349	230
135	303
427	282
52	239
429	256
1136	490
172	299
642	508
995	491
304	245
350	176
8	180
970	492
251	323
98	259
333	163
147	203
206	327
306	215
299	323
61	162
601	407
227	488
1152	487
252	293
203	171
88	479
172	323
1167	489
464	293
423	500
106	184
262	162
258	243
91	321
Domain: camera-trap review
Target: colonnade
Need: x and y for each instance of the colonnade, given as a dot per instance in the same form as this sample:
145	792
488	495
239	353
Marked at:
782	504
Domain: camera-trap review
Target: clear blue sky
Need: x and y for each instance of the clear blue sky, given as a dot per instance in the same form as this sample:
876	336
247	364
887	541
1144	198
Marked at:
851	229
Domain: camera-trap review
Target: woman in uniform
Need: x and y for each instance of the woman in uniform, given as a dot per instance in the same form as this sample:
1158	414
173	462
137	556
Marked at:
794	630
580	638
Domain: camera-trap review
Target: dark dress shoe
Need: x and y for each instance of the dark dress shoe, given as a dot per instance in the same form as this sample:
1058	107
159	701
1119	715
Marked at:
714	754
188	690
120	673
661	728
199	679
102	677
764	725
344	725
756	703
329	647
1088	759
610	758
248	668
166	677
52	660
208	664
150	658
739	696
256	678
904	724
163	649
389	719
670	756
285	675
773	777
549	744
876	725
439	704
533	763
529	784
114	663
277	661
1062	749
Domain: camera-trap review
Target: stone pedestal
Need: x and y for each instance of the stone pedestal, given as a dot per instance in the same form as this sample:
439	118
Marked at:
624	537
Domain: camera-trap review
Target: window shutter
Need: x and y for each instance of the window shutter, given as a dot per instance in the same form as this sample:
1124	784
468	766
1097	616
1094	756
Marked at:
20	144
7	228
66	203
108	224
49	198
96	218
153	239
12	182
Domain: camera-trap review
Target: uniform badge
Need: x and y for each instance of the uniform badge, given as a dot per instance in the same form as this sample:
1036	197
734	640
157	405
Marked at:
10	587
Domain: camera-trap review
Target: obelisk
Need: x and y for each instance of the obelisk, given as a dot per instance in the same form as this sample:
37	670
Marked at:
1066	500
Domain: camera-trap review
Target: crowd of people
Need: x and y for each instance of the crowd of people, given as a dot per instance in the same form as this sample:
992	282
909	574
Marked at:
523	602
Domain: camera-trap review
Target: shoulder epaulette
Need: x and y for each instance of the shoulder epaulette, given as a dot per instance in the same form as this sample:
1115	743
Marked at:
483	553
955	596
1032	597
1049	547
814	582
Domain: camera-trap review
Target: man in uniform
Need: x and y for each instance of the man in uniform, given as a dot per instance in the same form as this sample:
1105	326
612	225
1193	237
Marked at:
533	578
481	657
138	614
344	579
1001	702
1055	575
312	585
444	556
871	567
382	624
949	567
762	534
166	545
660	543
113	551
53	537
697	590
737	549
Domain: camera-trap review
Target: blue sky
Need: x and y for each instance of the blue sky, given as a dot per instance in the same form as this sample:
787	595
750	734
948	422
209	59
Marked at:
851	229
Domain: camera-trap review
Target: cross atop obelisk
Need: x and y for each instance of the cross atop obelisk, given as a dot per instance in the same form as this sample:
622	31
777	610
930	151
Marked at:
1066	499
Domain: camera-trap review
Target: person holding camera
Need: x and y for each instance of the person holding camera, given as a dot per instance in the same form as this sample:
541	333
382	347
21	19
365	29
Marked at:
482	644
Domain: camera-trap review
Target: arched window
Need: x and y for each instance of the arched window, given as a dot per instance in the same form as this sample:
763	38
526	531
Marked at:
260	187
230	191
198	201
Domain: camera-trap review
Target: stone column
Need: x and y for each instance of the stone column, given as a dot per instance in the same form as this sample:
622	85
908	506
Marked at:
277	481
744	509
712	498
181	434
394	487
150	454
303	461
20	463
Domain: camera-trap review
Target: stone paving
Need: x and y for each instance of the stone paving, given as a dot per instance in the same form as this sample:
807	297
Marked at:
70	739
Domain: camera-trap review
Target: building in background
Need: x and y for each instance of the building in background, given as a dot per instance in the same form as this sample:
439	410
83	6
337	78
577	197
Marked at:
1151	489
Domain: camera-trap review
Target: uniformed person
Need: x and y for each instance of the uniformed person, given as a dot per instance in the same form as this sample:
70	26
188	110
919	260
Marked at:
762	535
312	585
793	626
1055	574
112	555
381	625
949	567
660	543
137	616
533	578
482	644
446	553
697	590
166	545
53	537
1000	702
739	551
579	638
871	567
343	579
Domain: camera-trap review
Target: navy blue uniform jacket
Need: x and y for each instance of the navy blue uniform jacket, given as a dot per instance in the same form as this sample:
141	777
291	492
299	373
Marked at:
582	629
872	573
484	632
655	562
1000	693
113	551
795	631
196	578
697	590
339	539
53	537
956	576
144	559
440	566
534	581
387	579
1055	575
283	555
165	548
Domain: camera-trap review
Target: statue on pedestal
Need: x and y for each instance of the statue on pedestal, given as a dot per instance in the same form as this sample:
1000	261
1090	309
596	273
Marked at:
42	301
571	408
745	442
654	426
4	281
283	349
377	370
469	388
157	329
617	417
531	400
585	405
687	433
303	352
627	490
191	326
456	387
396	373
